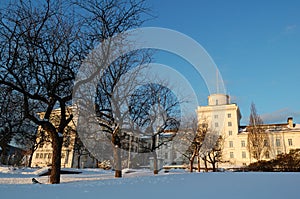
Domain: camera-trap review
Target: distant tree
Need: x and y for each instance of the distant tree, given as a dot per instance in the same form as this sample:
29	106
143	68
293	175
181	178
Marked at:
156	111
193	136
80	150
214	155
27	139
206	144
12	122
258	139
112	100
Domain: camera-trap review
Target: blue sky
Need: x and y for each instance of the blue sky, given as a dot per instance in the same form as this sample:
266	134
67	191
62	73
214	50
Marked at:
255	44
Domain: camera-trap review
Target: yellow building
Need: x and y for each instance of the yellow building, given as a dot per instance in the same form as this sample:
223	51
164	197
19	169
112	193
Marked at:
224	117
73	155
281	138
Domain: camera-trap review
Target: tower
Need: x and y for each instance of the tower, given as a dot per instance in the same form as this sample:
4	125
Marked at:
222	117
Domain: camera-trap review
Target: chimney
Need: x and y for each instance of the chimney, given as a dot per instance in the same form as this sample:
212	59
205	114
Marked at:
290	122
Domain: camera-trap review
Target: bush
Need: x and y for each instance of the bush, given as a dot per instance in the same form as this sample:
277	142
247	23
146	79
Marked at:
260	166
288	162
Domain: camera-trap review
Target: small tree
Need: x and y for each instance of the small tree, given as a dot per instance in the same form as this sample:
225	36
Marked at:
79	150
214	156
196	144
12	122
258	139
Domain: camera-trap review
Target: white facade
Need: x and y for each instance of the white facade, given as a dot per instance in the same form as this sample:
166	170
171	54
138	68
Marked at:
224	117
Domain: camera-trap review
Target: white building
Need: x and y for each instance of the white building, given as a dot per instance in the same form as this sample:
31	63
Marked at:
223	117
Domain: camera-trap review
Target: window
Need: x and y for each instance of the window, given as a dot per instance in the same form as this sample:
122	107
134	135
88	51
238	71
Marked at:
243	154
243	143
266	143
231	155
216	116
277	142
229	115
37	155
217	102
267	154
229	123
278	152
290	141
216	124
230	132
166	155
230	144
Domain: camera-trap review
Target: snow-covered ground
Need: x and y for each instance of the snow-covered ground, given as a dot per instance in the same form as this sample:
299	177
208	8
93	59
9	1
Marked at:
95	183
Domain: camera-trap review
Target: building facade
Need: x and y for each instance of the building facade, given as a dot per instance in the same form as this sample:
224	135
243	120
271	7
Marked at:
73	154
224	117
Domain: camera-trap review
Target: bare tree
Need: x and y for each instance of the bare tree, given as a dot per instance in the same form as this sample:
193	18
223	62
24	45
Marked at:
214	155
12	123
42	47
80	150
192	135
258	139
38	61
156	110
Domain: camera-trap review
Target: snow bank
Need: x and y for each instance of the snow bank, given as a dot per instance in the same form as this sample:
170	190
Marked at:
142	184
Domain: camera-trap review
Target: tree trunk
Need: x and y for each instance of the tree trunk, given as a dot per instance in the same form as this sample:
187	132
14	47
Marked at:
30	157
213	166
198	163
117	162
155	164
4	154
192	163
205	164
192	160
56	158
78	162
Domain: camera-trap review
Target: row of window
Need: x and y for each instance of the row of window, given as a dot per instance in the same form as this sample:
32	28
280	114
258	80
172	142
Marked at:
266	143
217	124
46	155
244	154
43	155
243	144
228	116
278	142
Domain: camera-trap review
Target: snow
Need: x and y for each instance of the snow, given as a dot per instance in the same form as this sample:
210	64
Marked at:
96	183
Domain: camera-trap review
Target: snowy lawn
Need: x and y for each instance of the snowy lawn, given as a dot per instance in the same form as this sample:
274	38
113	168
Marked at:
94	183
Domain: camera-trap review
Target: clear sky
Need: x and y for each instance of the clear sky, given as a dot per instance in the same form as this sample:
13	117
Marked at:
255	44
